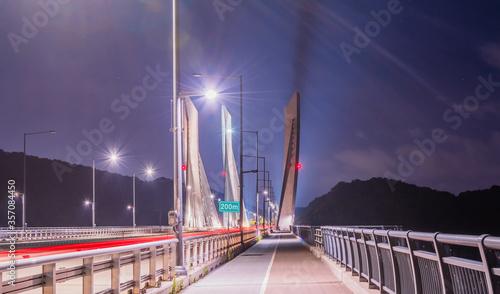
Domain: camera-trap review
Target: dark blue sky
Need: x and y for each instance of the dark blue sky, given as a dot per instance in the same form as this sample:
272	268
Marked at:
409	96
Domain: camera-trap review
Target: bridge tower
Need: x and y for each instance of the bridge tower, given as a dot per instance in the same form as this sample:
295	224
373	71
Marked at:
200	211
291	163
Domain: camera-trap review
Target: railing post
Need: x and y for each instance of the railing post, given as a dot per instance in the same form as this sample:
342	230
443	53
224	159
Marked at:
88	275
187	261
152	266
1	283
379	262
488	260
216	247
356	257
395	269
115	273
165	265
338	245
195	253
444	274
368	260
350	252
211	254
49	278
207	252
413	260
171	258
136	275
328	237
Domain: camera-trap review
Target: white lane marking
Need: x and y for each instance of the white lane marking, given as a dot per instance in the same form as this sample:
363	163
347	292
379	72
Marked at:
266	278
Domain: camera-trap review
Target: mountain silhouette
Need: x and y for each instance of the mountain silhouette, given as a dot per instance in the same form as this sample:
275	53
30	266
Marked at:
381	201
51	202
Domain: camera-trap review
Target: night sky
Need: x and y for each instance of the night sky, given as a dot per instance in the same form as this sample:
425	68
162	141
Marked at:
407	89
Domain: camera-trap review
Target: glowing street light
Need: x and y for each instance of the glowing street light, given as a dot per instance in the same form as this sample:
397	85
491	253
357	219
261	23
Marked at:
210	94
113	158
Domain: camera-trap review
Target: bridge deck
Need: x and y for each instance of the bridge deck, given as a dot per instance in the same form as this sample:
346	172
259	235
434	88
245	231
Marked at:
278	264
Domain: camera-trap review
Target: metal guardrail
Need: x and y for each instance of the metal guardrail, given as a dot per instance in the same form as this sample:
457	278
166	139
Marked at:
50	233
415	262
310	234
198	250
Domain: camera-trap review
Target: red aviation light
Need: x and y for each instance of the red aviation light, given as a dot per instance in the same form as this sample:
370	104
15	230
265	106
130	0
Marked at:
298	166
183	167
223	174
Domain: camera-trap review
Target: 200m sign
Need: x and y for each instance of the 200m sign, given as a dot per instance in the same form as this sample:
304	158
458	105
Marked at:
229	206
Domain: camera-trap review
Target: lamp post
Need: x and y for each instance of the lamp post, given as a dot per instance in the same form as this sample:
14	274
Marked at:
113	158
241	140
265	192
257	179
257	176
24	173
149	172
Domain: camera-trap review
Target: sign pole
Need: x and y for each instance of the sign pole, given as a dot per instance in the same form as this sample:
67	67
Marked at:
228	207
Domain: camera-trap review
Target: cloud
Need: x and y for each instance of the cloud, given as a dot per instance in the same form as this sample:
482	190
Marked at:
491	54
366	163
458	165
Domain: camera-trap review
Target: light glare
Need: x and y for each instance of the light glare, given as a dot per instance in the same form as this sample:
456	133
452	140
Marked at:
210	94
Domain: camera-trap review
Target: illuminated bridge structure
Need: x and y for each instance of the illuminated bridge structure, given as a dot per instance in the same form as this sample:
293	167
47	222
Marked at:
323	259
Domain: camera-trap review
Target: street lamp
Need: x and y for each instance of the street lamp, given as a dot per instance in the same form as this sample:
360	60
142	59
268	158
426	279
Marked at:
113	158
24	173
148	172
211	94
257	177
240	78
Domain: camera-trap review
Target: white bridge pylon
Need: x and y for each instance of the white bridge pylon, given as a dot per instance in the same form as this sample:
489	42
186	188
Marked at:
200	211
231	180
291	164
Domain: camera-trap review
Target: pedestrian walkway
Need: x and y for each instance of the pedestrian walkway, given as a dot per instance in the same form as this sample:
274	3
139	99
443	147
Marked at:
275	265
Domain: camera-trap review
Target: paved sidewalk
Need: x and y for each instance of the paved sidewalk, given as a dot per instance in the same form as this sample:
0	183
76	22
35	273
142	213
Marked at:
275	265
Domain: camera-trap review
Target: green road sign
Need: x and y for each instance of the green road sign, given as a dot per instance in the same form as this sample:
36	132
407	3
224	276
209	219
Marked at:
229	206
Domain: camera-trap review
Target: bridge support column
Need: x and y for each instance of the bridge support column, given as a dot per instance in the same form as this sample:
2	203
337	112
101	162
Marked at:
115	273
49	278
88	275
152	266
136	276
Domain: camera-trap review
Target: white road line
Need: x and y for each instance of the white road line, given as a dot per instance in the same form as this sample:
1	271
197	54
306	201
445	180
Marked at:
266	278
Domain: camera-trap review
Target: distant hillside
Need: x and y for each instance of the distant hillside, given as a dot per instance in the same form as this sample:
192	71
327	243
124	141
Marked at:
54	203
299	210
373	202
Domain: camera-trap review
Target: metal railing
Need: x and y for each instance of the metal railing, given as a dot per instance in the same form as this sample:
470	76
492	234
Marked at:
310	234
50	233
199	250
307	233
415	262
